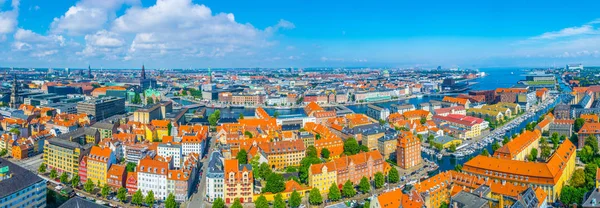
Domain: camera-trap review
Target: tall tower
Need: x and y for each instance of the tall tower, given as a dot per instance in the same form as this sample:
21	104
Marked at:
143	72
209	76
90	72
14	103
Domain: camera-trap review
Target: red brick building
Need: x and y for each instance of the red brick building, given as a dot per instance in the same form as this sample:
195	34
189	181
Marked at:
116	176
408	152
83	170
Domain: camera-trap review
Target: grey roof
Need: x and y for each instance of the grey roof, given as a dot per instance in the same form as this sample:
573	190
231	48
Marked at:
103	125
468	200
483	190
215	164
78	202
593	199
64	143
21	178
527	199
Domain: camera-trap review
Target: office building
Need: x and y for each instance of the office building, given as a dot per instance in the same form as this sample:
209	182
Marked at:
101	108
20	187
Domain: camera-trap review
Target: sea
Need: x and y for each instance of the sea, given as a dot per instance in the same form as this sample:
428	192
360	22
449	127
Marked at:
495	78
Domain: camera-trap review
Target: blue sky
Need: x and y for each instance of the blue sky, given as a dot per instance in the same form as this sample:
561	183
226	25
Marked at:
295	33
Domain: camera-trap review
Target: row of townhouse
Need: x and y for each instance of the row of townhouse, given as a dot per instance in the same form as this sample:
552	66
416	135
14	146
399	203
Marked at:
346	168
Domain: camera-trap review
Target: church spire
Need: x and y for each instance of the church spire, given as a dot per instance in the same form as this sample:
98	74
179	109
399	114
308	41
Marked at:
209	76
14	93
143	72
90	72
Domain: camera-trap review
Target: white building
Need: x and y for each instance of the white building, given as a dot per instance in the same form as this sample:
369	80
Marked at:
171	150
214	177
191	144
152	176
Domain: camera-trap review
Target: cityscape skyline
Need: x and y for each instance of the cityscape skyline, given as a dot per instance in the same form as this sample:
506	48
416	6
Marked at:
201	34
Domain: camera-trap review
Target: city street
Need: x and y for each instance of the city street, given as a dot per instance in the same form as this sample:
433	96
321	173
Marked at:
197	198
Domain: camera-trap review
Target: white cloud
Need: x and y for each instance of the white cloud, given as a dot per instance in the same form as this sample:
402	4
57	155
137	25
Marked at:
36	45
108	45
88	16
8	19
182	28
567	32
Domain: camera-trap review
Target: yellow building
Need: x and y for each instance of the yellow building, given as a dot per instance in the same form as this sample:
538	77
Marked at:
238	182
283	154
549	176
520	147
436	188
370	137
63	155
321	176
98	163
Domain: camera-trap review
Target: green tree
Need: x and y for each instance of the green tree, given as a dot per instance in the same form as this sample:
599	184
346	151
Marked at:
367	204
311	151
248	134
295	199
423	120
578	178
578	124
236	204
314	197
276	114
213	120
169	128
379	180
444	205
242	157
393	176
149	100
275	183
590	175
170	202
42	168
533	154
495	146
136	99
452	147
325	153
64	178
351	146
458	168
89	186
334	192
364	148
278	203
348	189
317	136
305	164
264	170
571	195
105	190
150	198
261	202
546	150
53	174
241	116
137	198
131	167
218	203
3	152
593	142
364	185
505	140
75	181
122	194
485	152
